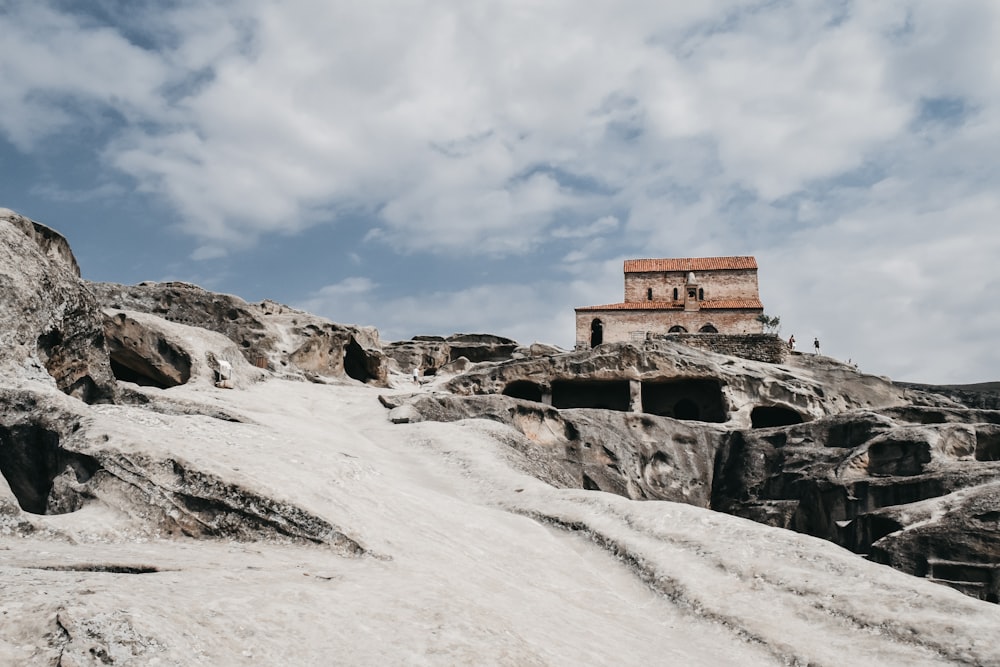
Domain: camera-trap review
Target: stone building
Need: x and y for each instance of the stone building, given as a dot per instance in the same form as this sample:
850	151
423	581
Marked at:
677	296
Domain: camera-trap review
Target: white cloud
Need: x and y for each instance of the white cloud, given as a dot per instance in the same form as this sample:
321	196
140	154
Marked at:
208	252
348	287
599	227
57	68
850	145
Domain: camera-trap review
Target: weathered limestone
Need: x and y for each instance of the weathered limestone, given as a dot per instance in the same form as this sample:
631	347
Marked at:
55	460
150	351
429	354
268	334
908	477
52	323
723	389
632	455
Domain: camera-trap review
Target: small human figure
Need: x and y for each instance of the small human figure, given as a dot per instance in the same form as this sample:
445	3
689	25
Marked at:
416	375
816	345
791	342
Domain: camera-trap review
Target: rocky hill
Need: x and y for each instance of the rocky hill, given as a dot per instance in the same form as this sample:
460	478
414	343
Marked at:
188	478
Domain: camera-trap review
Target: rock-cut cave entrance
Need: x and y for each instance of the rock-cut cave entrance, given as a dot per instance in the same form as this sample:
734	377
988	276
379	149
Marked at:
697	399
31	460
524	389
767	416
601	394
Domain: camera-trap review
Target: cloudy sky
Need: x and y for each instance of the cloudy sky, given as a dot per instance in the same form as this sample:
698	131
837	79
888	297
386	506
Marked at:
449	166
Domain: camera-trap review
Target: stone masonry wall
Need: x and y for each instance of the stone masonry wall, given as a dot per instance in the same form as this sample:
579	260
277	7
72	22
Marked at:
728	284
628	325
768	348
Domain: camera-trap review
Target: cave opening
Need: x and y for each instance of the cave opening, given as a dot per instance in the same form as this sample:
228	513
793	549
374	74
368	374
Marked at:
898	457
768	416
129	365
144	357
126	373
694	399
356	362
686	409
602	394
31	459
525	390
987	445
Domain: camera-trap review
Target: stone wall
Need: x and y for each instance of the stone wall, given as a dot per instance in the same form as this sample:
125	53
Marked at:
622	326
768	348
722	284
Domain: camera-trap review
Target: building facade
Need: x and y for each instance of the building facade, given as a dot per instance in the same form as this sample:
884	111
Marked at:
680	295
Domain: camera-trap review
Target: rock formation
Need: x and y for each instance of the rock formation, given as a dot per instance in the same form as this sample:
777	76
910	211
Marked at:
430	354
908	477
163	519
268	334
676	380
51	322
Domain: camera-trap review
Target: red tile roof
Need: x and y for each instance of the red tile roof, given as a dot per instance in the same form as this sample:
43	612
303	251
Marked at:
689	264
718	304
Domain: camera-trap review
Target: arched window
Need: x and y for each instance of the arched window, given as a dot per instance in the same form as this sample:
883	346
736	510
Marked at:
677	329
675	294
649	294
596	333
708	328
701	294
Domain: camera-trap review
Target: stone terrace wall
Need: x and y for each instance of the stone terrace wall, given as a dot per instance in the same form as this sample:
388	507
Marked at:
768	348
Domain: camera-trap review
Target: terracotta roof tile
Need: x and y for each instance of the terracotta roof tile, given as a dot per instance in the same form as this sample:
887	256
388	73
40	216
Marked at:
689	264
718	304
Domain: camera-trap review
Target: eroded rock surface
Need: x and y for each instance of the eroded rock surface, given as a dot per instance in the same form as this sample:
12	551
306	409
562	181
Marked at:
52	324
194	524
55	460
268	334
905	475
152	352
634	455
431	354
674	380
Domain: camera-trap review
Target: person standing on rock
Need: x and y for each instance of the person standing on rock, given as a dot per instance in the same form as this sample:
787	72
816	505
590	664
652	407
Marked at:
416	375
791	342
816	345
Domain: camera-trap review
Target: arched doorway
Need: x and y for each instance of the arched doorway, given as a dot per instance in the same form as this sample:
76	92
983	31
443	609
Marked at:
596	333
708	328
677	329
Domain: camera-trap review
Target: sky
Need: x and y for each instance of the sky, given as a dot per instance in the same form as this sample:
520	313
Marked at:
443	166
